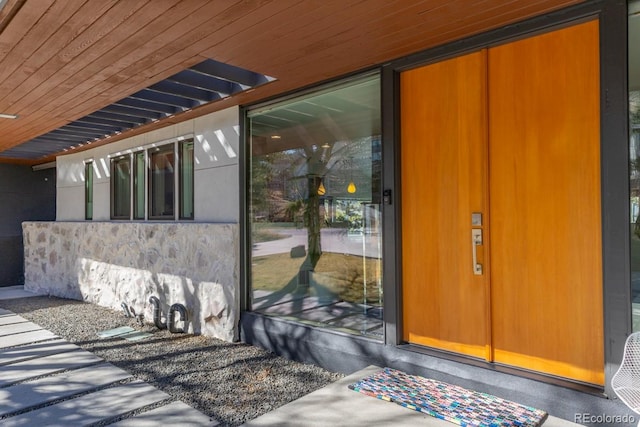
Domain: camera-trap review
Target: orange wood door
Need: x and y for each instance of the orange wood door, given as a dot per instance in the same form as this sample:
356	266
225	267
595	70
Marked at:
443	179
512	133
544	156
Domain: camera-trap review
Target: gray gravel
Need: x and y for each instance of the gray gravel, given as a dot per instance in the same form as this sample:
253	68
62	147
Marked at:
231	382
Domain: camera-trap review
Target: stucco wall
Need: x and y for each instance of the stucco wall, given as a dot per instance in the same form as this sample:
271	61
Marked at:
108	263
216	182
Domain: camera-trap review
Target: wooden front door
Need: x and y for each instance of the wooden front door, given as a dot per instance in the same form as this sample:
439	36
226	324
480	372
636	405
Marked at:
444	170
501	205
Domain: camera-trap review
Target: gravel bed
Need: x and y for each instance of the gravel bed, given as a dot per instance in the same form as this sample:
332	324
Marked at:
231	382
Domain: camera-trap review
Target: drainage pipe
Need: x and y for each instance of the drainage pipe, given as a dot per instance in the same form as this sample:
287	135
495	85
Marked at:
125	307
156	313
172	318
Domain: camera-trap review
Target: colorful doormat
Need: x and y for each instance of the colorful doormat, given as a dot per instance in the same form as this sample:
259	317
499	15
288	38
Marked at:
447	402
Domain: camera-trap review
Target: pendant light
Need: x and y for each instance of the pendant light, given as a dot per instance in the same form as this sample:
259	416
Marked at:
351	188
321	190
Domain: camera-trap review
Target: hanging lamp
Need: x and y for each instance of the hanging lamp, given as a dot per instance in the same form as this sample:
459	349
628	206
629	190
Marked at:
321	190
351	188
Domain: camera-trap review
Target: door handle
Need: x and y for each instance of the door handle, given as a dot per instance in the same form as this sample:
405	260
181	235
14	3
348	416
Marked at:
476	240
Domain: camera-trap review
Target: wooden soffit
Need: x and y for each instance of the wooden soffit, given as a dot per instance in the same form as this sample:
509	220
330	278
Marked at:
62	60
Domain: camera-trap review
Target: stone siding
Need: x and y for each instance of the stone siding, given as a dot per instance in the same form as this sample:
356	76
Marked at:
108	263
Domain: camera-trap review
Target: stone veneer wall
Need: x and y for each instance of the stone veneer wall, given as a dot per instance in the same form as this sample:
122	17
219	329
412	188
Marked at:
108	263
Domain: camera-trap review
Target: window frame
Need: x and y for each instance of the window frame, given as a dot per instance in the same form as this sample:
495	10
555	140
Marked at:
178	181
139	185
113	166
154	179
182	181
88	189
247	113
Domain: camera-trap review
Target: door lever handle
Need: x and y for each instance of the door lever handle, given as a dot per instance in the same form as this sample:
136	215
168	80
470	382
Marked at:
476	240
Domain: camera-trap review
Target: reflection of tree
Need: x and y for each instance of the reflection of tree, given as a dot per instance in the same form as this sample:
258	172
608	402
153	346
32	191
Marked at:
270	186
321	161
312	217
261	172
287	172
316	162
284	184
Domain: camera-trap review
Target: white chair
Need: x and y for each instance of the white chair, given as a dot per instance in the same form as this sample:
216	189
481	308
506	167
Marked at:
626	382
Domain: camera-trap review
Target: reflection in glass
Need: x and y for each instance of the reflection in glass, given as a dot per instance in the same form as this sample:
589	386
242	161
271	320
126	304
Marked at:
315	208
186	180
88	190
634	155
161	182
138	184
121	187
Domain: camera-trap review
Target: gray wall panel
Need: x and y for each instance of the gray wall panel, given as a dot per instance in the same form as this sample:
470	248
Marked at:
25	195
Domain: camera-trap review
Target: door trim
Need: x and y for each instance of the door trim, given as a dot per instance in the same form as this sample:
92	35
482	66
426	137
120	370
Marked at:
614	163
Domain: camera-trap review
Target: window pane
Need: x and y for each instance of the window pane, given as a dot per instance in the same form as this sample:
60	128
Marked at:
88	190
161	182
121	188
634	152
138	185
315	208
186	180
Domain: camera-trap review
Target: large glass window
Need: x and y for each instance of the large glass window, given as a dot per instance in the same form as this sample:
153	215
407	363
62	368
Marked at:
634	151
315	208
121	187
88	190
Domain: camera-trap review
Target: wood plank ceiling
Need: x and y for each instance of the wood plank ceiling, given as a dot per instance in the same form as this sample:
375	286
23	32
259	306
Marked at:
61	60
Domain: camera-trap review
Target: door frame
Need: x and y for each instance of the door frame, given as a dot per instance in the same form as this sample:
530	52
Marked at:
614	167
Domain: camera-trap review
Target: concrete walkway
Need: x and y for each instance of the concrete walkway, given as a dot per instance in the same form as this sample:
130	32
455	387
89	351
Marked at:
337	405
47	381
13	292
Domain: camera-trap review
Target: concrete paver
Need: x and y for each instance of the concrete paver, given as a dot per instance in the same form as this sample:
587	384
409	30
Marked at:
91	408
33	393
13	292
26	338
35	350
77	387
173	414
47	365
9	319
17	328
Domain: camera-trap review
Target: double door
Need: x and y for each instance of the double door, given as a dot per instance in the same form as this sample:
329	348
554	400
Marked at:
501	225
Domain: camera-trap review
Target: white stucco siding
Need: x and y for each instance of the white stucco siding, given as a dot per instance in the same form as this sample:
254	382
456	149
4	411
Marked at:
67	206
216	194
216	176
216	142
101	200
69	188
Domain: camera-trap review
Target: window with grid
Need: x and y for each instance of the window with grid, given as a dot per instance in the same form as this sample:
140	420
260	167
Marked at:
150	183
